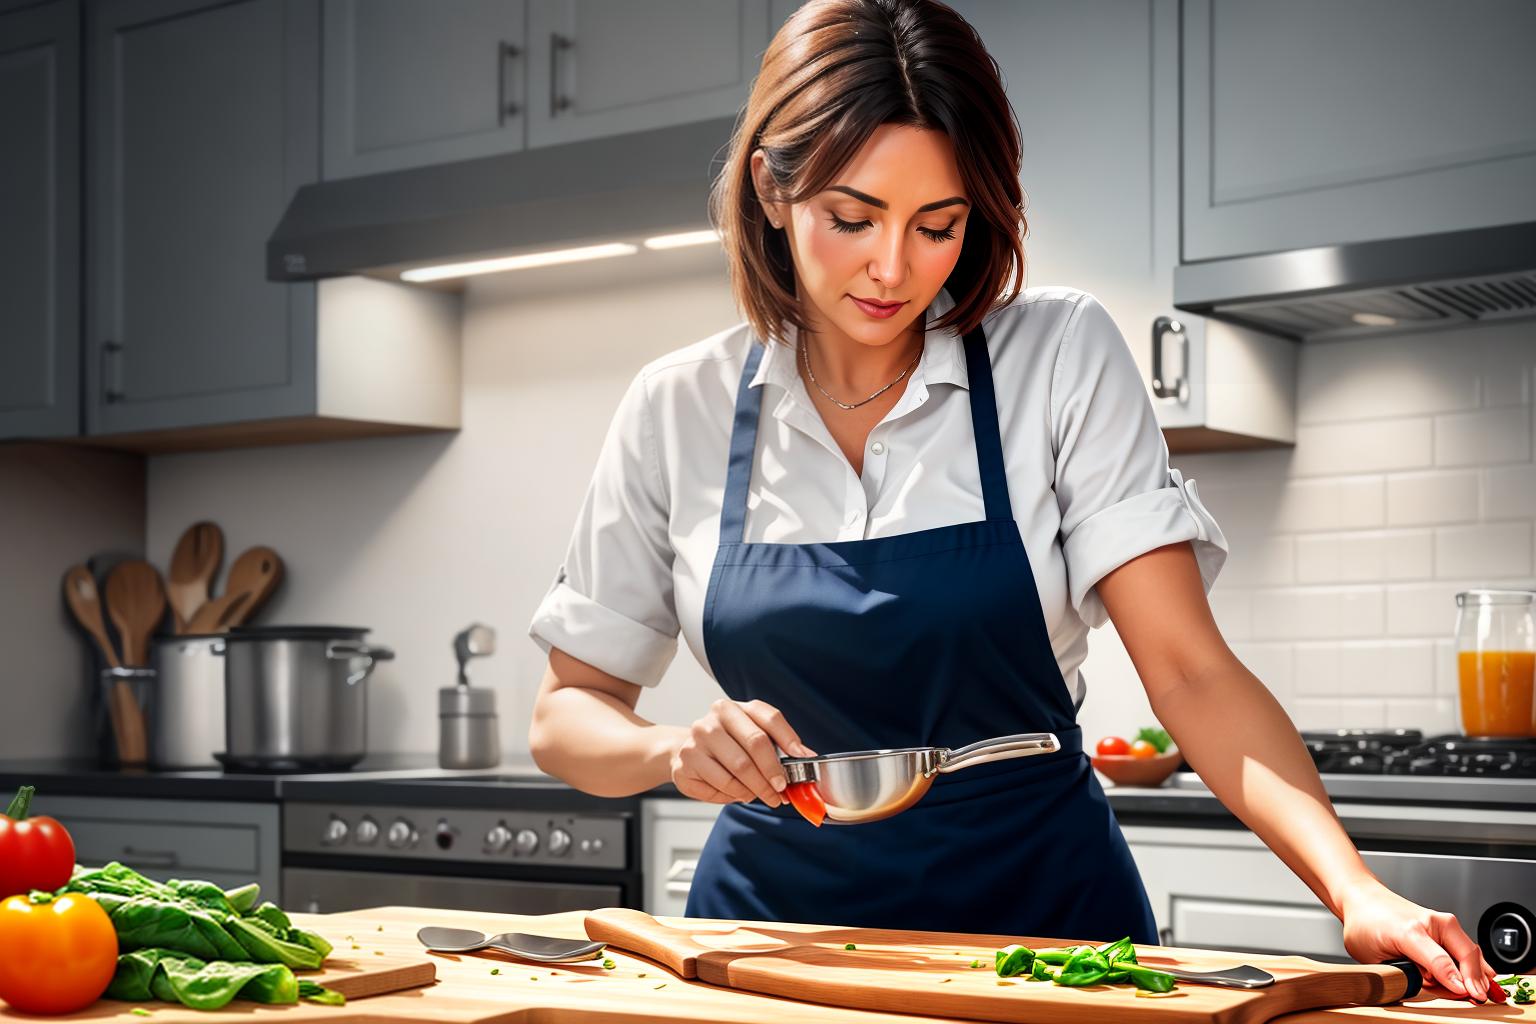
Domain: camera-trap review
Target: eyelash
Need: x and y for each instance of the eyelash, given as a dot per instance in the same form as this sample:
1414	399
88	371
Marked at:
851	227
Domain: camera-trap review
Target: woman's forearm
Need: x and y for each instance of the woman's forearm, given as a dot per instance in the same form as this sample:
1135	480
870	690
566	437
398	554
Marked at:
596	743
1239	739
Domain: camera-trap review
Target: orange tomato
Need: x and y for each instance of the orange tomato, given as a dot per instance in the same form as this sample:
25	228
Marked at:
57	954
1113	746
1142	748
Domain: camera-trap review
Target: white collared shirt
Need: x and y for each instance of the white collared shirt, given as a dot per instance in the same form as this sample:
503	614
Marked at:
1087	468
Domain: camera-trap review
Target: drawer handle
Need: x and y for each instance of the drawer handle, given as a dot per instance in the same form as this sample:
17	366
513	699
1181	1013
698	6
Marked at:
1161	387
152	858
557	100
682	870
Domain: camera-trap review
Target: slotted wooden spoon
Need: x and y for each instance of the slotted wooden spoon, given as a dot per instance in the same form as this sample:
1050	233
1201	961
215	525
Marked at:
252	578
193	565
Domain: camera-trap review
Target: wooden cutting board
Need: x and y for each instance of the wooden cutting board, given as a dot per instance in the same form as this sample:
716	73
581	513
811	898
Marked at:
930	973
384	961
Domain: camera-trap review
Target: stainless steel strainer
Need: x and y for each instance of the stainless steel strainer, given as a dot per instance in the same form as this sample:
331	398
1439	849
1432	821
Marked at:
868	785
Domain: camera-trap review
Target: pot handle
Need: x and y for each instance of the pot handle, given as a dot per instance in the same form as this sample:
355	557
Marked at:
999	748
374	653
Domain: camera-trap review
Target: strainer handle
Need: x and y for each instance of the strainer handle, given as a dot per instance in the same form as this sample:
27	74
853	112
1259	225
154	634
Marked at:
999	748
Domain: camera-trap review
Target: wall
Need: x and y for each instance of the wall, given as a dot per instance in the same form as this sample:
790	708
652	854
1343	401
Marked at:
1412	478
58	506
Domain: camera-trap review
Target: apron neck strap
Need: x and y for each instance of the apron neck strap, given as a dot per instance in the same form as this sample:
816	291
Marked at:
749	400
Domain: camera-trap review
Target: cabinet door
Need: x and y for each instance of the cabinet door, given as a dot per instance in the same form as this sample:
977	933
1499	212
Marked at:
203	119
409	84
40	211
1314	122
609	67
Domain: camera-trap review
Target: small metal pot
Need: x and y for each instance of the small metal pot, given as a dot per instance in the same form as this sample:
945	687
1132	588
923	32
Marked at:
869	785
187	722
294	697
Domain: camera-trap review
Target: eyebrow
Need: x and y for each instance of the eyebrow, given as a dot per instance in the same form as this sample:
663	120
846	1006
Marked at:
864	197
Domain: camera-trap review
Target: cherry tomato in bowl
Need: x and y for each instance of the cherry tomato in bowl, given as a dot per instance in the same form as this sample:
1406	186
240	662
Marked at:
1143	749
1113	746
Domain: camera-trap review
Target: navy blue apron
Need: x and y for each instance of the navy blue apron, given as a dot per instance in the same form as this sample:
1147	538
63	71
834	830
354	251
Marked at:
932	638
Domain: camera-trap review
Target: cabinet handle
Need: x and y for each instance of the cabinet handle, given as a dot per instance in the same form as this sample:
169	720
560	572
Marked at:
152	858
1179	386
112	371
557	101
506	53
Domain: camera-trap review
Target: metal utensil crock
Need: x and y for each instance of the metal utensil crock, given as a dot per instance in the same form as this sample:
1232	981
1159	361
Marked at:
187	723
295	696
869	785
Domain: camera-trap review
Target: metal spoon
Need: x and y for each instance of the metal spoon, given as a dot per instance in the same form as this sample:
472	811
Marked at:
1246	976
543	949
869	785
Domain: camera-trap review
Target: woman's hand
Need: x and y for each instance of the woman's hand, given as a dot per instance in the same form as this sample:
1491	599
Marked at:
1380	925
728	755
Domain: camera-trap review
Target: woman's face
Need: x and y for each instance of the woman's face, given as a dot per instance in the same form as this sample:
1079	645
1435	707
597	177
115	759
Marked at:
888	229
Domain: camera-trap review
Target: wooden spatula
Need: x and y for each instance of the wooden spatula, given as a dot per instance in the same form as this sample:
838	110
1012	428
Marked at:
256	573
84	602
193	565
136	604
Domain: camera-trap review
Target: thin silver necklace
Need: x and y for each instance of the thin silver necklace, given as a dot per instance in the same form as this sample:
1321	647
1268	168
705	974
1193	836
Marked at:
806	356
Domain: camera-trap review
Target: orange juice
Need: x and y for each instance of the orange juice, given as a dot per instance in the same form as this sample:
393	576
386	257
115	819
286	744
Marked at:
1498	693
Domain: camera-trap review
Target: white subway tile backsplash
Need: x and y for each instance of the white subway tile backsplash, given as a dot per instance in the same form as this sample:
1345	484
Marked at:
1232	609
1365	556
1447	679
1317	612
1363	447
1435	716
1509	491
1397	375
1339	504
1423	609
1259	560
1272	664
1442	496
1371	668
1483	438
1485	551
1334	713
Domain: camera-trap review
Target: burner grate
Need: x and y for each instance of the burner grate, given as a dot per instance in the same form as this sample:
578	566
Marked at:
1407	752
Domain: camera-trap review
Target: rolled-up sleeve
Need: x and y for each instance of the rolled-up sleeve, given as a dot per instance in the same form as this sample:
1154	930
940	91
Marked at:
611	603
1118	496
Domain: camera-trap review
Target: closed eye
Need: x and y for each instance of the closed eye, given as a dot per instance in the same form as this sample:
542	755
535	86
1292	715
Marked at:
853	227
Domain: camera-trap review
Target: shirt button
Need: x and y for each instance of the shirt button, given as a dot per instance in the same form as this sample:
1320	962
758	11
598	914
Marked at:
878	448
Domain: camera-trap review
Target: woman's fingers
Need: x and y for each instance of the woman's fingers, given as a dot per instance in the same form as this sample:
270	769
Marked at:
733	743
712	773
1447	931
1434	961
746	723
772	722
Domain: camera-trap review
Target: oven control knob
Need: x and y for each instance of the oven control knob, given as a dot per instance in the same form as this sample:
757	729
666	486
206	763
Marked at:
559	842
335	832
526	840
400	833
592	846
498	838
367	832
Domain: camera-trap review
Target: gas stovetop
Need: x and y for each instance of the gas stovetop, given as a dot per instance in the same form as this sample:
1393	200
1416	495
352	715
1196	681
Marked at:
1407	752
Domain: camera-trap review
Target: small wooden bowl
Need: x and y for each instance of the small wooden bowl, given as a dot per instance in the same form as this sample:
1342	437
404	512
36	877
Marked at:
1125	770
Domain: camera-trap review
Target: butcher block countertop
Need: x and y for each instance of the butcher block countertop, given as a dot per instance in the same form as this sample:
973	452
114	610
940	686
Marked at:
636	990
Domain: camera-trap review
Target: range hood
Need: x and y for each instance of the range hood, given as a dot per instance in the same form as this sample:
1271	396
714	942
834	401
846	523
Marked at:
618	188
1395	284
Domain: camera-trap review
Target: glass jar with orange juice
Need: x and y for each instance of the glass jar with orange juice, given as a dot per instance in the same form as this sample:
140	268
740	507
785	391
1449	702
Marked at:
1496	660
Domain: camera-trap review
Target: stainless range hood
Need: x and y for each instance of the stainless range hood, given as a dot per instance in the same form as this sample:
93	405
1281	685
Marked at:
619	188
1395	284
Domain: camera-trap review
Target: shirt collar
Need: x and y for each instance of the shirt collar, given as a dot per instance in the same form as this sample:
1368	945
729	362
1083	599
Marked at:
942	361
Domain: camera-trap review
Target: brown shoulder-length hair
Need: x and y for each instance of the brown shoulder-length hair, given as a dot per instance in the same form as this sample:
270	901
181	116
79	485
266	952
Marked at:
836	71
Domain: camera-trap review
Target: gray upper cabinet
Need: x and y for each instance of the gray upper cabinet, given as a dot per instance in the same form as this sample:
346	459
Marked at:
1313	122
609	67
40	210
203	119
409	84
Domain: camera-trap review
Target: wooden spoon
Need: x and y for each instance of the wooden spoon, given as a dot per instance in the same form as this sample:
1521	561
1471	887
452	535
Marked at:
256	573
193	565
136	604
84	601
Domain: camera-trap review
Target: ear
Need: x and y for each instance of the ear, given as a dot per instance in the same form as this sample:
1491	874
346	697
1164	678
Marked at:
777	213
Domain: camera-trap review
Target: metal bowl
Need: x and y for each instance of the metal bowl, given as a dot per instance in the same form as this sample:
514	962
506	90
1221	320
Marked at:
869	785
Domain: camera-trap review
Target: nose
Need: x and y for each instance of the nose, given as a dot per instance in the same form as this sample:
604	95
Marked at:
888	263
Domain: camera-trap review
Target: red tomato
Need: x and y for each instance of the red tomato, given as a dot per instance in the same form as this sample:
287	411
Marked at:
1113	746
56	956
807	801
35	853
1143	749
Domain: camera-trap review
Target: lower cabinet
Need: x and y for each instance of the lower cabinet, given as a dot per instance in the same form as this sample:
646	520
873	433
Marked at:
672	833
226	843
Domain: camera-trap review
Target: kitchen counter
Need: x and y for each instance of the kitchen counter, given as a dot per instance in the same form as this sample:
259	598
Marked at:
467	993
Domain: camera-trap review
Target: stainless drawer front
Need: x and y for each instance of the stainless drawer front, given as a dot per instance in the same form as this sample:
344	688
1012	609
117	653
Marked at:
313	891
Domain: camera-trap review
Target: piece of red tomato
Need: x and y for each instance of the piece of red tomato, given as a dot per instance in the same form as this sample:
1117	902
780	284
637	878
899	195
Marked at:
1113	746
57	955
35	853
807	801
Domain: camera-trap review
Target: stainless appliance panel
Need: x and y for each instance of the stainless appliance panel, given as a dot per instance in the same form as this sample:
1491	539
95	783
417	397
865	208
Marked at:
313	890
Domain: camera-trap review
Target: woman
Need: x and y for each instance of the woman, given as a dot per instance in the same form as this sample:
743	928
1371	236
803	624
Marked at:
885	511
